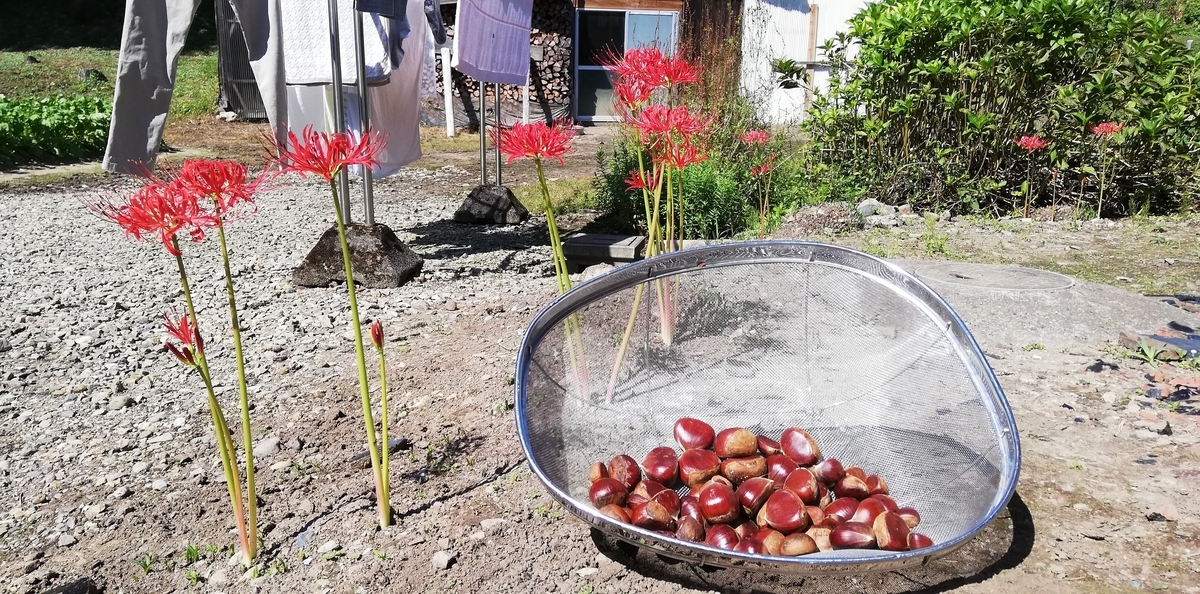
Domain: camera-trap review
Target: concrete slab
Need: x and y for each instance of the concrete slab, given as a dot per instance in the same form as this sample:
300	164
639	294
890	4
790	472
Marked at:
585	249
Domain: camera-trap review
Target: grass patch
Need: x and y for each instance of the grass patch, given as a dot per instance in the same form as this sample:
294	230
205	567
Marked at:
568	195
434	140
196	86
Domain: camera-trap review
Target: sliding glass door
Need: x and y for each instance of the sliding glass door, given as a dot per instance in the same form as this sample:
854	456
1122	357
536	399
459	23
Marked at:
599	32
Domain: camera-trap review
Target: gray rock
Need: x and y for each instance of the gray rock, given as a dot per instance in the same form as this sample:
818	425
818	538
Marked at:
443	560
379	258
140	467
449	305
491	205
1160	427
91	74
119	401
268	446
158	485
595	270
120	492
328	547
4	346
218	577
882	221
92	512
491	523
66	540
872	207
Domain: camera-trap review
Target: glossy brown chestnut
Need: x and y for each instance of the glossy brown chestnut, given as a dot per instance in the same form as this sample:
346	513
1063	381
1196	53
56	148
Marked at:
816	514
662	465
918	541
753	493
670	500
745	529
652	516
856	472
851	487
737	470
689	529
693	434
797	444
868	510
910	516
820	535
635	500
697	466
803	484
648	488
826	495
779	467
888	503
751	545
719	503
767	446
607	491
597	471
829	471
877	485
735	442
771	539
690	507
625	469
891	533
723	481
852	535
616	512
721	536
797	544
841	510
785	512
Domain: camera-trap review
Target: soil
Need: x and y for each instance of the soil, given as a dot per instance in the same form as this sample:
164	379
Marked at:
1104	502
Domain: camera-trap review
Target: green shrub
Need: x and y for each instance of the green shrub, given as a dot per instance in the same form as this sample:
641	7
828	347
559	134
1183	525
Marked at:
928	109
53	128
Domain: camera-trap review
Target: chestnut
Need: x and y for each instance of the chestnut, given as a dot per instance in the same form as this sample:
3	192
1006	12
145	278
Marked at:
652	516
721	536
597	471
888	503
668	499
803	484
771	539
820	535
910	516
816	515
779	467
616	512
767	446
877	485
918	541
719	504
851	487
738	470
625	469
868	510
689	529
722	480
785	512
607	491
891	533
852	535
798	445
826	495
745	529
750	545
693	434
840	511
636	500
735	442
797	544
661	465
697	466
857	472
753	493
829	471
648	488
690	507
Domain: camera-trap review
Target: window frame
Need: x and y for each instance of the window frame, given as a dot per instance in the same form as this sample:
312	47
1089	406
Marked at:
673	43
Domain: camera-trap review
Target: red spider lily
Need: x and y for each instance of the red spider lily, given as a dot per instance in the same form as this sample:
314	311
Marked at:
636	181
765	167
641	63
658	120
377	334
676	70
535	141
1107	128
680	154
1031	143
158	208
225	182
324	154
755	137
632	92
187	335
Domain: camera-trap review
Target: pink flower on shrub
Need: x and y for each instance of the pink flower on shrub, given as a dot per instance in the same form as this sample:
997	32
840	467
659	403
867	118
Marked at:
1107	128
756	137
1031	143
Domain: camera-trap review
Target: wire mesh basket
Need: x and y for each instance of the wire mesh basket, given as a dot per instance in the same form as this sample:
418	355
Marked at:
770	335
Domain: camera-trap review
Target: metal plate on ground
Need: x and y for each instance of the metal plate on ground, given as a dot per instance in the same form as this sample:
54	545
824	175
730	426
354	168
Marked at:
994	277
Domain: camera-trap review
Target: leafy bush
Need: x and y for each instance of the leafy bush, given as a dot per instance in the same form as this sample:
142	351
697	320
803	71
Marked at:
52	128
929	108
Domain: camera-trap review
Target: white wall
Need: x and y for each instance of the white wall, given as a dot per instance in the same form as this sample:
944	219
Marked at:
773	29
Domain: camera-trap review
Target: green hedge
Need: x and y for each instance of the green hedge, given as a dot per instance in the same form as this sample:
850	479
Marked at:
54	128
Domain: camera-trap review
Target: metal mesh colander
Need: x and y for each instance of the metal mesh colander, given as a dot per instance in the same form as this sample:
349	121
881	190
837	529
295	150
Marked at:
766	336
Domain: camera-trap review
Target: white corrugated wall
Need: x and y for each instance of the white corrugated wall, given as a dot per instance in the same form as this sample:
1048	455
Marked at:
773	29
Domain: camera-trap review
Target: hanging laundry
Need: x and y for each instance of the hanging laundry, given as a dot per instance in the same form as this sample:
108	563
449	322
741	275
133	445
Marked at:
306	43
491	40
433	14
151	39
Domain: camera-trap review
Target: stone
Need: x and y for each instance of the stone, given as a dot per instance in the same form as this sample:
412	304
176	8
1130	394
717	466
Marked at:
91	75
881	221
1160	427
268	446
443	560
328	547
868	207
586	571
4	346
66	540
491	523
140	467
595	270
218	577
449	305
158	485
92	512
379	258
120	492
119	401
491	205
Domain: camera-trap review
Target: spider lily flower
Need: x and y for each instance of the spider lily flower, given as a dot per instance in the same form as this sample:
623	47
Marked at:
377	334
1031	143
1106	128
158	208
535	141
324	154
755	137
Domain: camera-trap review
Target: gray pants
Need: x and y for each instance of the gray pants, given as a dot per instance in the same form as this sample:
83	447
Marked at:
151	40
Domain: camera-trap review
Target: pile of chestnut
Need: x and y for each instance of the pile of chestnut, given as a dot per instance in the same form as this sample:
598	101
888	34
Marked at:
753	494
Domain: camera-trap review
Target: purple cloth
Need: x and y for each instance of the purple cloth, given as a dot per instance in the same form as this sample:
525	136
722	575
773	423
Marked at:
492	40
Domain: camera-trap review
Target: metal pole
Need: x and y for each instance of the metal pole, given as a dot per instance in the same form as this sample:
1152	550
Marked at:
339	110
365	114
499	122
525	100
482	134
446	90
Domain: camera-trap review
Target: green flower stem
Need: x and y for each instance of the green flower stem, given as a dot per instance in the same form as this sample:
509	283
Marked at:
220	429
571	324
612	379
385	507
1103	175
248	444
383	395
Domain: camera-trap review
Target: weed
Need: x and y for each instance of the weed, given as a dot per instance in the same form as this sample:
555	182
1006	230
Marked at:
1174	406
934	241
331	555
873	245
191	554
213	550
1146	353
192	576
1034	346
277	567
146	563
1189	364
1076	465
586	589
380	554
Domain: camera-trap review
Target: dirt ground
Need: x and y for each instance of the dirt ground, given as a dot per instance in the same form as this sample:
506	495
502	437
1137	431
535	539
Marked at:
1106	498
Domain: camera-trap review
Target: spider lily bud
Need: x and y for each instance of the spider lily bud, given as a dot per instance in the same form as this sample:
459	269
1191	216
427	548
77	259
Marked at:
185	356
377	334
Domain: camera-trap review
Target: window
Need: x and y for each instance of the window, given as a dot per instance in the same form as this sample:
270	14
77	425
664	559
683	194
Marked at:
599	32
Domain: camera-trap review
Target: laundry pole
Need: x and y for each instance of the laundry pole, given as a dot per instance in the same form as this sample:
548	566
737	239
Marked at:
365	110
339	110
